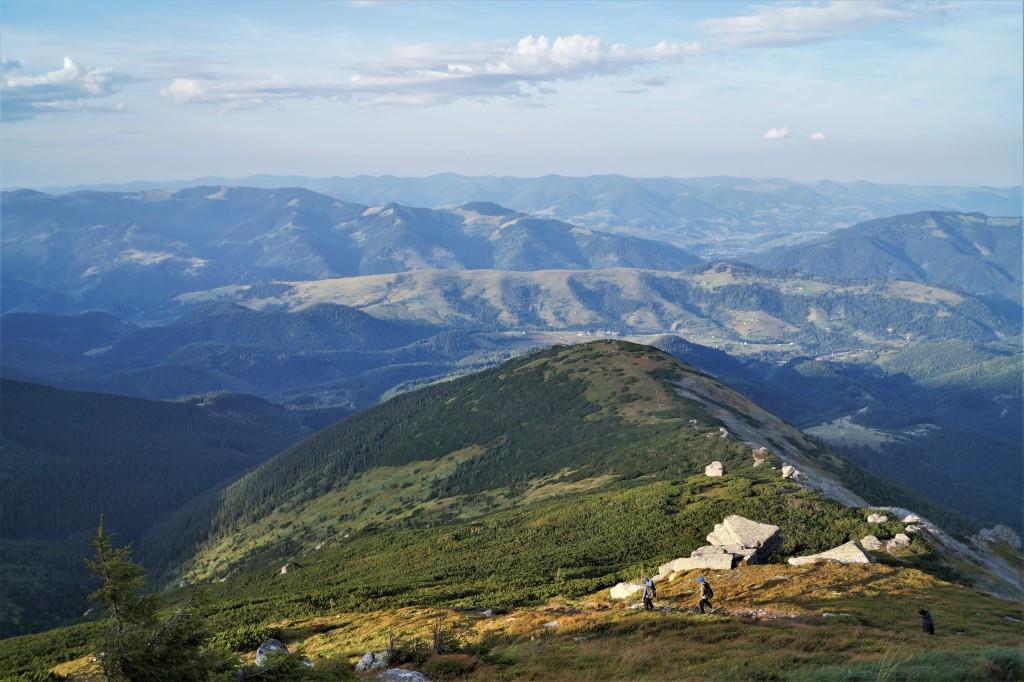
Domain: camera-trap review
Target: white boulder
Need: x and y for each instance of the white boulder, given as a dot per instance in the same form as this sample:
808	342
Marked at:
871	543
877	518
373	660
911	518
790	471
848	553
626	590
716	468
899	541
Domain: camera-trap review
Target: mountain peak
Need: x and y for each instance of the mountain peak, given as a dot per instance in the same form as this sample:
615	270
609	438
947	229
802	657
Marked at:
487	208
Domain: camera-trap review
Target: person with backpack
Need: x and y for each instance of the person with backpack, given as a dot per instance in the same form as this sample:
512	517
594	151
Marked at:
927	625
649	594
706	593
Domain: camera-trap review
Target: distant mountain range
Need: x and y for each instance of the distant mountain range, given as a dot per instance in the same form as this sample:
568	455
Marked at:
964	251
124	252
712	216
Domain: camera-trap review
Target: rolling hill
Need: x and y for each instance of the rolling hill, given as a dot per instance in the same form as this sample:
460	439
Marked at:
709	304
128	252
968	252
66	457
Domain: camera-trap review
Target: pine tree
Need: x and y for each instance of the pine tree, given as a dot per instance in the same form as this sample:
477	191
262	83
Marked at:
135	645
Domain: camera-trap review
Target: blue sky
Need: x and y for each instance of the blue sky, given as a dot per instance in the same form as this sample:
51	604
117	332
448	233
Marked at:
917	92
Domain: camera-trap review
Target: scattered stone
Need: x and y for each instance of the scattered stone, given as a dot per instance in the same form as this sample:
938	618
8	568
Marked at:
828	614
848	553
716	468
402	675
723	432
913	528
271	647
899	541
790	471
693	423
373	660
284	569
911	518
318	547
871	543
487	612
626	590
877	518
1001	533
551	624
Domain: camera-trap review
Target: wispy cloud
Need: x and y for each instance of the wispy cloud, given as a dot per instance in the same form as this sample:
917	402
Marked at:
430	74
778	133
71	88
799	24
818	136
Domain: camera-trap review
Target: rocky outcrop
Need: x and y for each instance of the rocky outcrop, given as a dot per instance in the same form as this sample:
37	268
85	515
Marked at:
898	542
1000	533
877	518
790	471
911	518
714	469
373	660
871	543
268	649
848	553
626	590
733	541
760	456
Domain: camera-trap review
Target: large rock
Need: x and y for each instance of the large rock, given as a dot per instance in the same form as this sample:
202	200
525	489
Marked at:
271	647
716	468
877	518
911	518
790	471
848	553
373	660
737	530
626	590
1000	533
716	562
899	541
871	543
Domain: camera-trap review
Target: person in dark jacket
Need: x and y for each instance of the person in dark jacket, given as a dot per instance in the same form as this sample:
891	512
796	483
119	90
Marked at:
648	595
927	625
706	593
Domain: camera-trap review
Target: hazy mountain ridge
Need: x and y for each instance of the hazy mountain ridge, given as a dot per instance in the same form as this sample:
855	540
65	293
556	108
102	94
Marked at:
127	252
962	251
717	215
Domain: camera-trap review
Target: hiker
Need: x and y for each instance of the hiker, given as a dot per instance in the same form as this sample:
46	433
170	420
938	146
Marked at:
649	594
927	625
706	593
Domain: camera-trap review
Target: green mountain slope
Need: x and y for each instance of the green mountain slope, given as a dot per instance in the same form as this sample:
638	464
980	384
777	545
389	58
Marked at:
561	420
968	252
66	457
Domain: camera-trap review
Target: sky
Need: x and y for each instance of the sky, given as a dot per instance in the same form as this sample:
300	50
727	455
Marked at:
911	93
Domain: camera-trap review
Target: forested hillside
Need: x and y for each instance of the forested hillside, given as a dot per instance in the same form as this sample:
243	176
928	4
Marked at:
66	457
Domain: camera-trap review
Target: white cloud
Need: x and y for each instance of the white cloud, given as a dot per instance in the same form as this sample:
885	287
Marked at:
818	136
799	24
778	133
70	88
430	74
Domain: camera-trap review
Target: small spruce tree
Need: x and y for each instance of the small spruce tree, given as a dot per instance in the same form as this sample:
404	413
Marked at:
135	644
